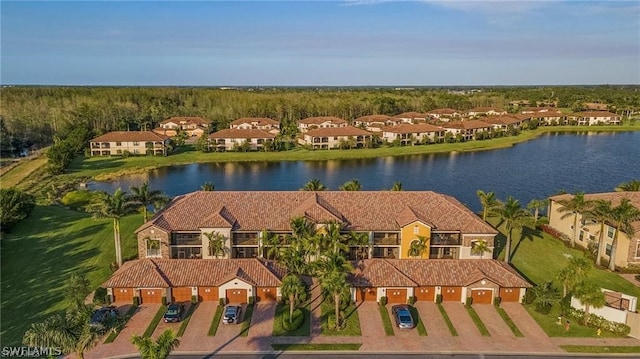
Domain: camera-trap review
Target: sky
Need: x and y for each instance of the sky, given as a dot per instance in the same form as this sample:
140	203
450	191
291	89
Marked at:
320	43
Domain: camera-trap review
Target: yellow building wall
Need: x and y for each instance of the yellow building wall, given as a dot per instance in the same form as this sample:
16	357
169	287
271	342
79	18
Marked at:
408	234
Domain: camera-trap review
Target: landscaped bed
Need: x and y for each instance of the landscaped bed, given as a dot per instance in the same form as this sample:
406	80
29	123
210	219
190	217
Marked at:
352	326
302	331
215	322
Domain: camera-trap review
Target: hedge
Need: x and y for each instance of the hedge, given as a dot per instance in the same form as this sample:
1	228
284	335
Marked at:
596	321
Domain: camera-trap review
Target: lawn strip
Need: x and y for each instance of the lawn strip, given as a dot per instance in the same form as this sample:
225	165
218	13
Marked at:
509	322
477	321
246	323
600	349
320	346
187	318
386	321
278	329
447	320
352	327
422	331
549	323
216	321
114	333
155	321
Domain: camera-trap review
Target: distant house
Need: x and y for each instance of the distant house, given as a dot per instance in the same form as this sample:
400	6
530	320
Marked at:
260	123
409	134
444	114
374	123
532	110
129	142
486	111
504	122
235	138
591	118
311	123
468	129
546	115
335	137
192	126
412	117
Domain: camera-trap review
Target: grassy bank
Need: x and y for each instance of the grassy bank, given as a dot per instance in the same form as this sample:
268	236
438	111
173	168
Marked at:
40	254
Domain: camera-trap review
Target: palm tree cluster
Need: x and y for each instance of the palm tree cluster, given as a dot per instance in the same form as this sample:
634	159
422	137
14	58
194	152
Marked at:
314	184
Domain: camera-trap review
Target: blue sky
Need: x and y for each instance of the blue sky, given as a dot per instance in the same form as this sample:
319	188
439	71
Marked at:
320	43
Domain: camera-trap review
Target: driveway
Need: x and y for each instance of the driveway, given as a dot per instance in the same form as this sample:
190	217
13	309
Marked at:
432	319
461	320
162	326
536	339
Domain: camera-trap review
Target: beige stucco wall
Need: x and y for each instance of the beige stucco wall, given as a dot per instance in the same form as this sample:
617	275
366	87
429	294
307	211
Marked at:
153	233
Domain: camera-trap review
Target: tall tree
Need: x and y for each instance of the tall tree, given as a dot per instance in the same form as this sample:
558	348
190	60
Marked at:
481	247
418	247
513	217
601	212
216	244
361	241
15	206
590	295
146	197
314	184
335	283
575	271
115	207
572	207
158	349
631	186
536	205
489	202
333	240
351	185
623	217
294	290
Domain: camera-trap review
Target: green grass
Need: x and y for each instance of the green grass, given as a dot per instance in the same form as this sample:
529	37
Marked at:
303	347
246	323
303	331
509	322
477	321
18	173
40	254
187	318
549	323
422	331
600	349
352	327
155	321
386	321
447	320
114	334
213	328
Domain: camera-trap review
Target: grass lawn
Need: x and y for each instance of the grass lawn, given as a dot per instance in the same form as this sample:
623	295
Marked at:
422	331
447	320
549	323
246	322
477	321
351	316
600	349
332	347
155	321
40	254
303	331
386	321
213	329
22	171
509	322
186	319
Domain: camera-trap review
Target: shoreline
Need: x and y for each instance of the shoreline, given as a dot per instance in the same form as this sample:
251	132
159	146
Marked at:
144	164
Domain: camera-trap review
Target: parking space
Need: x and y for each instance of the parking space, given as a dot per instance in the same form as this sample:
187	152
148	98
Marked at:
492	320
262	320
162	326
432	319
461	320
402	333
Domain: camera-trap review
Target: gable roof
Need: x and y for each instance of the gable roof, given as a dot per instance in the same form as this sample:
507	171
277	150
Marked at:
412	128
466	125
444	111
130	136
262	121
337	131
378	273
242	133
502	120
321	119
411	115
372	118
186	120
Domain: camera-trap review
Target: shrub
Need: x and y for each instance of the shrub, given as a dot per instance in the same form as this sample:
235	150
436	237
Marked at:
383	301
223	302
164	300
543	308
412	300
100	296
252	300
565	303
439	298
529	297
331	322
15	206
468	301
298	319
78	200
596	321
497	301
136	301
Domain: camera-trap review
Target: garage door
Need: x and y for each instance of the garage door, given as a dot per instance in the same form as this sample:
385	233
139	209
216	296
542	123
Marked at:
123	295
425	294
267	294
236	295
208	294
366	294
482	296
510	294
151	295
450	294
396	295
181	294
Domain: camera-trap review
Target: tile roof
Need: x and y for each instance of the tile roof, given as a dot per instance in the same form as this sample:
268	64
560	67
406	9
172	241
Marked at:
373	118
595	114
411	115
337	131
130	136
186	120
260	120
433	272
322	119
412	128
466	125
163	273
502	120
443	111
614	197
273	210
241	133
486	109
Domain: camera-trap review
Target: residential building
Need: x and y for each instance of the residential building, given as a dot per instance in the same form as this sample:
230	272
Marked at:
311	123
468	129
192	126
374	123
409	134
444	114
588	232
412	117
259	123
591	118
231	139
486	111
503	122
129	142
336	137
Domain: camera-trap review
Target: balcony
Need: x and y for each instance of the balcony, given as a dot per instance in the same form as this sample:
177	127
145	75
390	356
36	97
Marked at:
446	239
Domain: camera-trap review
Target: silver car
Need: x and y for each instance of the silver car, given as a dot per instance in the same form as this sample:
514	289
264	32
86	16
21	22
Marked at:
402	314
231	314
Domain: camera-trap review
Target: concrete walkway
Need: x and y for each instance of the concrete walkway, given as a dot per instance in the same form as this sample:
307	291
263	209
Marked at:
314	306
631	278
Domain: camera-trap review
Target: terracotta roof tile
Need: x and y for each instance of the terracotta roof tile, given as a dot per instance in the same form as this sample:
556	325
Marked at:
444	111
187	120
321	119
262	121
411	115
466	125
373	118
130	136
502	120
412	128
241	133
486	109
337	131
378	273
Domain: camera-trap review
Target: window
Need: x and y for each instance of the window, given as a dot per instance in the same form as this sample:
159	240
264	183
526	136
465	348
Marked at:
244	252
638	249
608	251
243	239
444	253
183	252
581	236
153	248
135	143
118	143
386	238
610	232
416	229
178	239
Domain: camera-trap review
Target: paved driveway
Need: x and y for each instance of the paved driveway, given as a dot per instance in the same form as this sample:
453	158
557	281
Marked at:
536	339
461	320
432	319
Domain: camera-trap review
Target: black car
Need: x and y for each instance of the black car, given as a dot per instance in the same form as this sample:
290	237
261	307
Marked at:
402	314
173	313
232	314
101	316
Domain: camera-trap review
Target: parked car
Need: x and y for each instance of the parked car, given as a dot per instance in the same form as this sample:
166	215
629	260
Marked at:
101	316
402	314
173	313
231	314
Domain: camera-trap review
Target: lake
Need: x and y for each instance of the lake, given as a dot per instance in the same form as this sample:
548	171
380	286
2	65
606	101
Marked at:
589	162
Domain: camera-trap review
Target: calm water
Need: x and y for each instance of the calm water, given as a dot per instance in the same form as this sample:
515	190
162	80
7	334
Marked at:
590	162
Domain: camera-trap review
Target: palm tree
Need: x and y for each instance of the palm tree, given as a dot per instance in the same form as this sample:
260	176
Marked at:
335	283
590	295
360	240
418	246
397	186
352	185
601	212
293	258
301	227
576	270
623	216
631	186
333	240
216	243
208	186
513	217
272	242
159	349
546	295
295	290
572	207
146	197
314	184
481	247
490	204
536	205
114	206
